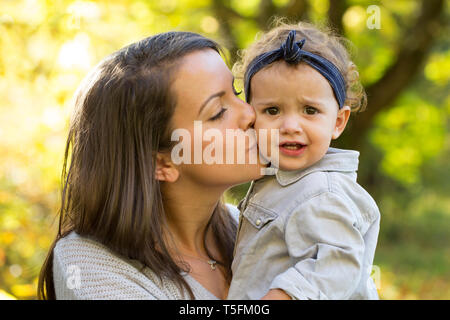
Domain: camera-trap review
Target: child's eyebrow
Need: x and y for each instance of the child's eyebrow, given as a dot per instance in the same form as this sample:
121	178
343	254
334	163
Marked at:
300	101
267	102
305	100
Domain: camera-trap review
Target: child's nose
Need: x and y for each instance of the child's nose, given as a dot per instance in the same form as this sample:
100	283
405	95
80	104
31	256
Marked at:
291	126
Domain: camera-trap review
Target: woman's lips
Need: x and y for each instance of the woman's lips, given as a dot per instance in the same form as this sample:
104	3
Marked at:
292	148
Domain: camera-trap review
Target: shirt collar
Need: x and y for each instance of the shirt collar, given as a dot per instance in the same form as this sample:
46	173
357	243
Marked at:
334	160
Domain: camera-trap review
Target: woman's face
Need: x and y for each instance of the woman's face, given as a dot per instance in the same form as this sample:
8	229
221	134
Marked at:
207	110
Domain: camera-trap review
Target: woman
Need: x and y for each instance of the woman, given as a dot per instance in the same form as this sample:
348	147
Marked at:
133	224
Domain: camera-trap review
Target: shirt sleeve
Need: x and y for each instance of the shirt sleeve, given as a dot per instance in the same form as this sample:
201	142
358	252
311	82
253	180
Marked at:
326	249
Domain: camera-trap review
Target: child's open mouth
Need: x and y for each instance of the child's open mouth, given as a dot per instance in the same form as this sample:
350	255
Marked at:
292	148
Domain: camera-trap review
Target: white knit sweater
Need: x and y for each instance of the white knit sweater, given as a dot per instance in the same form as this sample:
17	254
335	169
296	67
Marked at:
85	269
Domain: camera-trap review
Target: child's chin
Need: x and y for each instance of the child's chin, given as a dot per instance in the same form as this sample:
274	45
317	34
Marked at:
291	165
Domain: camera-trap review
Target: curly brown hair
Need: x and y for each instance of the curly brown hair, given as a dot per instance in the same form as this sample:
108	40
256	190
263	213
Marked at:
319	40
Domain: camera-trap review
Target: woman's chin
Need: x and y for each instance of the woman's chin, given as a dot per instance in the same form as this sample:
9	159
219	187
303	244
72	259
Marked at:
242	173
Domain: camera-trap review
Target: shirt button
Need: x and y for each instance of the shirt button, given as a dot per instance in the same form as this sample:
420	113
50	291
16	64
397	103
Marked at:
258	222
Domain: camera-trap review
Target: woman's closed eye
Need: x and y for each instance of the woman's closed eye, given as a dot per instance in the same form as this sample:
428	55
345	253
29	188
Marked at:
218	115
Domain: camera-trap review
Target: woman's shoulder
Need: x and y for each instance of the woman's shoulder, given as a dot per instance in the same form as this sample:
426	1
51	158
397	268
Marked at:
86	269
76	242
82	250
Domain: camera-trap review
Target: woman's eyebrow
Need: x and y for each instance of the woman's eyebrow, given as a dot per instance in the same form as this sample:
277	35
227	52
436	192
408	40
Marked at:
215	95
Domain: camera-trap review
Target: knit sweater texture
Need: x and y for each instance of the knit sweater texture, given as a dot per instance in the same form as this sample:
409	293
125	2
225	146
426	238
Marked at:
84	269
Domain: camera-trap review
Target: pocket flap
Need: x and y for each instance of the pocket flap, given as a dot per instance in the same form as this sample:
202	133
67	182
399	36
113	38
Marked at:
258	216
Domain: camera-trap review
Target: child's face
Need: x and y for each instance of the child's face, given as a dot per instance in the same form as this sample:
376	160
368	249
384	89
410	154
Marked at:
299	102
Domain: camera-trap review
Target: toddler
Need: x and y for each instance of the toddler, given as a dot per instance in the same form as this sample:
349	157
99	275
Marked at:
310	230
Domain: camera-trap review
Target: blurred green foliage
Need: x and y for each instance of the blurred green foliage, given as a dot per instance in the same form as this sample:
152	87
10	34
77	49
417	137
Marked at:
46	47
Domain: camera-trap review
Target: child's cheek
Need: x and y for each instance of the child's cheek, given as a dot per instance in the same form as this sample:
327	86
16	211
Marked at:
263	140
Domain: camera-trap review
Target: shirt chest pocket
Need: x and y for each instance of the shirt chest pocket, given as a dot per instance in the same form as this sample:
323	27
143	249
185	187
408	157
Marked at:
254	228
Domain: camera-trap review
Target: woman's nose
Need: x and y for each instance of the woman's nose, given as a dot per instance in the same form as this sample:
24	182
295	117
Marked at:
247	116
291	126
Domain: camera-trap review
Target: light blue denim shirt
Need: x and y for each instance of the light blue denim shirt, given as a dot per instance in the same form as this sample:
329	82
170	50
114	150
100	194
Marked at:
311	233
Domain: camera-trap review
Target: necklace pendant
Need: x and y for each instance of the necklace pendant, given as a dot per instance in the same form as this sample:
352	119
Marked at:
212	263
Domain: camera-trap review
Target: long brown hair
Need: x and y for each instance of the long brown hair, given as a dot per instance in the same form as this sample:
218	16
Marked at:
121	120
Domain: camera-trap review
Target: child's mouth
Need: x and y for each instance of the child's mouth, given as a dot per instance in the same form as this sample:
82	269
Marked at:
292	148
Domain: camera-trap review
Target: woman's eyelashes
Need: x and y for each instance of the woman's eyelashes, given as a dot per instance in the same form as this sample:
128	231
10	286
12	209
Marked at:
219	115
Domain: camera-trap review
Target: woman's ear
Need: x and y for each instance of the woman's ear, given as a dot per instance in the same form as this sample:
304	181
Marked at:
341	121
165	169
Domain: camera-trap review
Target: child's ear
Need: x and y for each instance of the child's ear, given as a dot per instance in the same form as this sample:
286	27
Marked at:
165	169
341	121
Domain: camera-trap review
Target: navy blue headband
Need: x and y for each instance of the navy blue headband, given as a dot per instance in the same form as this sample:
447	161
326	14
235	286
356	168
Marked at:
292	53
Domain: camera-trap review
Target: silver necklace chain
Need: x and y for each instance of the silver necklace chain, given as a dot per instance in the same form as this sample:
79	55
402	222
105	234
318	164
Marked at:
212	263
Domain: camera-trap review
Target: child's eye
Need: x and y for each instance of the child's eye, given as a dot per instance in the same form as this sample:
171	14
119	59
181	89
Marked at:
218	115
310	110
273	111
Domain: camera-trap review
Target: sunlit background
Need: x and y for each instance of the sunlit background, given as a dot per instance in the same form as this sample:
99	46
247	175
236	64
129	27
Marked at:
47	47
